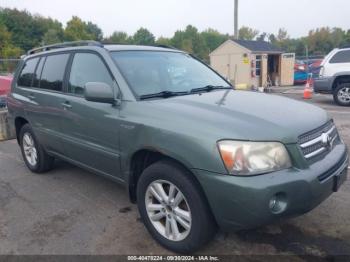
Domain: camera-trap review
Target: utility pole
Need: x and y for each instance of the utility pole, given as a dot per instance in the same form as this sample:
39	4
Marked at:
236	36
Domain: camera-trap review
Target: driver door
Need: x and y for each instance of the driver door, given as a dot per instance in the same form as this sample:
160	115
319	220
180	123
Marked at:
91	134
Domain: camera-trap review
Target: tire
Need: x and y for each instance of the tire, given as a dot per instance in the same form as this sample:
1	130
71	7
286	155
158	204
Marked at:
345	87
202	224
43	162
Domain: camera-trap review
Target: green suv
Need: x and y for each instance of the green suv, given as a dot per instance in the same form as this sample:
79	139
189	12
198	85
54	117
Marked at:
192	152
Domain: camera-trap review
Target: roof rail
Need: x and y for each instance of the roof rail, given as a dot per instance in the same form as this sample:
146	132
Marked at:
345	46
63	45
166	46
162	46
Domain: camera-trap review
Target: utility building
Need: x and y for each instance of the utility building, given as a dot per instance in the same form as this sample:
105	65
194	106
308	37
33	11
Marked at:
253	63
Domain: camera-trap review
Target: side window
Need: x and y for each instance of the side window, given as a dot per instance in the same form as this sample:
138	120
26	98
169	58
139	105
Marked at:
341	57
26	77
39	69
87	67
53	72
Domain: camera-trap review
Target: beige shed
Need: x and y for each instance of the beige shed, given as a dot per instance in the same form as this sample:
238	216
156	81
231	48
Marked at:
253	64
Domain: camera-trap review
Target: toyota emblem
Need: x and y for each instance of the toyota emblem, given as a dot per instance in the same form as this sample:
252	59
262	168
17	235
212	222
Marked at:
326	140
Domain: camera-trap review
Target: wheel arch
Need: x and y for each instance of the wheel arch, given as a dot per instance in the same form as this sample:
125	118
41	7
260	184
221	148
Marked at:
19	123
145	157
340	79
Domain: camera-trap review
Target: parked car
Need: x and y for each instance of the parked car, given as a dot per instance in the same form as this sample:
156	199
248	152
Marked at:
5	84
192	152
334	76
304	68
300	72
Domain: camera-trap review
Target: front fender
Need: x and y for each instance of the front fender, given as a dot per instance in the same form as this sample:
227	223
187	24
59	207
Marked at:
190	150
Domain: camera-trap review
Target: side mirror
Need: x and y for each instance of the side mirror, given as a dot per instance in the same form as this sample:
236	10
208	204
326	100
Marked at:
99	92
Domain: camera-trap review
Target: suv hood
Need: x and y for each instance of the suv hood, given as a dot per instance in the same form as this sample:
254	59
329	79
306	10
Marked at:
241	115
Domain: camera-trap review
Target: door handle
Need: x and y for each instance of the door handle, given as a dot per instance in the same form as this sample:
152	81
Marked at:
66	105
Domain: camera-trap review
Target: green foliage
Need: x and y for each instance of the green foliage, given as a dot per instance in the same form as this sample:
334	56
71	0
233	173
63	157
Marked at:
11	51
52	36
191	41
119	37
7	49
5	36
213	38
325	39
21	31
143	37
26	30
247	33
163	41
76	30
93	30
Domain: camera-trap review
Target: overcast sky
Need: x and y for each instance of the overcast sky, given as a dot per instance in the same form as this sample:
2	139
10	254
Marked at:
164	17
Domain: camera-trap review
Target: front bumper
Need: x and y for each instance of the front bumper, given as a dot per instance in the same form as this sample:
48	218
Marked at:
244	202
323	85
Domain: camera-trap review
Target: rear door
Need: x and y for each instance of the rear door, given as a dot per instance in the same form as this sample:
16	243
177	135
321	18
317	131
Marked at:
90	128
46	97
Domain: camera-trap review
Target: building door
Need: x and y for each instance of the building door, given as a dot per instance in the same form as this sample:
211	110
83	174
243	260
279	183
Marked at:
287	69
264	70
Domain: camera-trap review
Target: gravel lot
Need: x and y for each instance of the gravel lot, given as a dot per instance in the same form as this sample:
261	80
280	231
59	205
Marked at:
70	211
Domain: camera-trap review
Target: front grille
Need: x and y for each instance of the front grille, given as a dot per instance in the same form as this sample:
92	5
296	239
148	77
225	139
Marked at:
318	141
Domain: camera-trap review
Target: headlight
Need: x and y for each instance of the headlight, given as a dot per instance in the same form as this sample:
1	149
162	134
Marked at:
253	158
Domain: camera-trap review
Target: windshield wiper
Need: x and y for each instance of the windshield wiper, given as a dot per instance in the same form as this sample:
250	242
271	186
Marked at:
166	94
209	88
163	94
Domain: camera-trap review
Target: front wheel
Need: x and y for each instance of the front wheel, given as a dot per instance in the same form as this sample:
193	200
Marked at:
173	208
342	94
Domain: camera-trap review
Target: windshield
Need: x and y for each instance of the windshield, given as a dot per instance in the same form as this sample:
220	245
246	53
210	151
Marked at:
150	72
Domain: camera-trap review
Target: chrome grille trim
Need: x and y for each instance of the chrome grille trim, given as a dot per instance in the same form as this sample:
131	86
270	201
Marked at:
317	139
312	143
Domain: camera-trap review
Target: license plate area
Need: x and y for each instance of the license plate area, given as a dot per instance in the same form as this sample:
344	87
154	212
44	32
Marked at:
338	179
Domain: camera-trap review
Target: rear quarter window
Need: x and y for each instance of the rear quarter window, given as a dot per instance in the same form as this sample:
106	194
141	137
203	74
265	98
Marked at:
53	72
341	57
27	73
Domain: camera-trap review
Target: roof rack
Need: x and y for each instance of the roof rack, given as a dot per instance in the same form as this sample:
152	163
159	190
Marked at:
162	46
63	45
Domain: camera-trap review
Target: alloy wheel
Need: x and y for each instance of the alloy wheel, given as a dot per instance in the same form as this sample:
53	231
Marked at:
29	149
344	95
168	210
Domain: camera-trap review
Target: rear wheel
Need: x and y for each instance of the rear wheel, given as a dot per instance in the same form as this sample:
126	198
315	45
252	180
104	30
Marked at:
173	208
35	157
342	94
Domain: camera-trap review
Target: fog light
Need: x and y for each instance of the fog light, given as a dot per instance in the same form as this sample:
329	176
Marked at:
273	202
278	203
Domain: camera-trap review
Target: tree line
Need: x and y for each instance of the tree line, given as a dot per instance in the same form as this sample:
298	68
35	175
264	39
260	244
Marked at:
21	31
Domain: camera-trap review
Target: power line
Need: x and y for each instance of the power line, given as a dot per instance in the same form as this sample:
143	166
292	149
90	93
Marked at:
236	36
